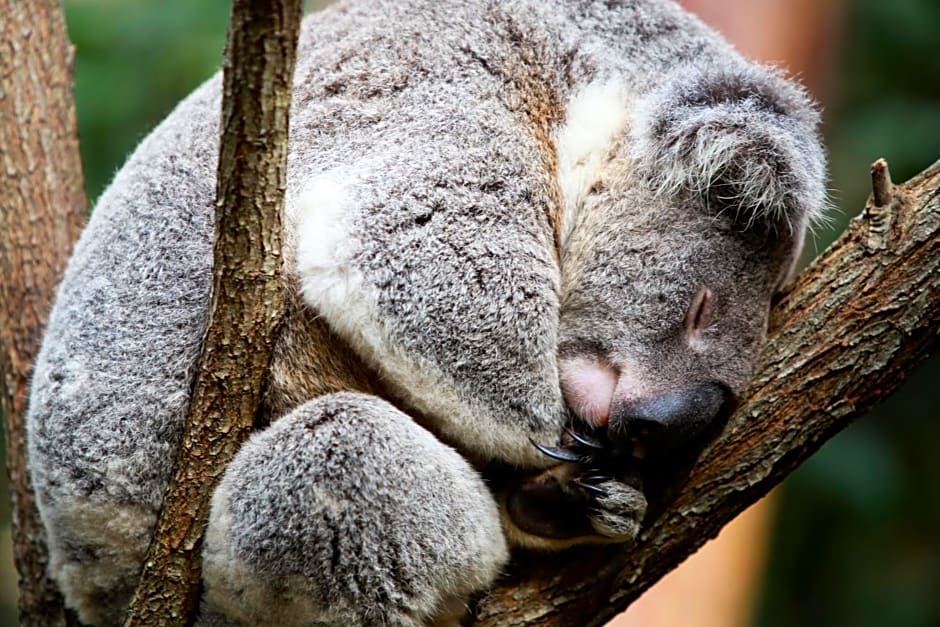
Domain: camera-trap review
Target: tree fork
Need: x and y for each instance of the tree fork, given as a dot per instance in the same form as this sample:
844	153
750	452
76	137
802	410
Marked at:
844	337
246	303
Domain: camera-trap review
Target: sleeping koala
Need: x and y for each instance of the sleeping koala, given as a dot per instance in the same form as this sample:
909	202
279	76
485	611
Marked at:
530	253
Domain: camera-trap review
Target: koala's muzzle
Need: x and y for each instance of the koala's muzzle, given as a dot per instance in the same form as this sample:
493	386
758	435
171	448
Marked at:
670	421
663	435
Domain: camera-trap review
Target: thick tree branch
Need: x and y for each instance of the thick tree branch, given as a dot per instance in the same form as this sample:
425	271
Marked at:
42	208
246	302
846	335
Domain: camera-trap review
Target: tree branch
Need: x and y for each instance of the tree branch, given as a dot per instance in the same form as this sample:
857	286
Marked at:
247	300
42	199
852	327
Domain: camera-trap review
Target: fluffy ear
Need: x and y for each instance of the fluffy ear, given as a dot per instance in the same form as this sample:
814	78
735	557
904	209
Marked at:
741	138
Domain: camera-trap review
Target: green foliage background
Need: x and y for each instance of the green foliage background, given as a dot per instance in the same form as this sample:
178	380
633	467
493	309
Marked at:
857	540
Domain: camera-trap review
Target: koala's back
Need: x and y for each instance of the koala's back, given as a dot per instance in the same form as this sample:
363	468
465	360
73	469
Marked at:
111	383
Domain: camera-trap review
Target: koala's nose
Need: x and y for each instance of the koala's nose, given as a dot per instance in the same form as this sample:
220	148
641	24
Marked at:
676	419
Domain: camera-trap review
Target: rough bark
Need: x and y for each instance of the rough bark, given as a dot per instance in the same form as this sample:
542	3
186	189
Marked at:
246	304
845	336
42	208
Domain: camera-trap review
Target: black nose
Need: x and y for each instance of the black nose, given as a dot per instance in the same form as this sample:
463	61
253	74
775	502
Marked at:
677	419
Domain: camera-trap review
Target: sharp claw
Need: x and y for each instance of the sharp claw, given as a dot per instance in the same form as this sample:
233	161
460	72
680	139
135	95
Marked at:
561	455
592	488
585	440
594	478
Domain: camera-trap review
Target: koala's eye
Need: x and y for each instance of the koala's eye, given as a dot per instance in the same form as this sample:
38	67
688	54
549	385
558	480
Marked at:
699	315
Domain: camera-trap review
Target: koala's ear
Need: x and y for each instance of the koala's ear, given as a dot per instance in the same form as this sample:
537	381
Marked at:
741	138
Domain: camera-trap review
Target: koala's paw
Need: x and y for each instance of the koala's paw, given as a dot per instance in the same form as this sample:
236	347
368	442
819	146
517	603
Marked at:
617	511
591	496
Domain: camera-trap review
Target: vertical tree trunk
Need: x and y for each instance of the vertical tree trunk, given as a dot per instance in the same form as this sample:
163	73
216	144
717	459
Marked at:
42	208
246	303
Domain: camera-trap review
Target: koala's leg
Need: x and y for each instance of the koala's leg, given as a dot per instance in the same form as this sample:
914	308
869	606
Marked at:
346	512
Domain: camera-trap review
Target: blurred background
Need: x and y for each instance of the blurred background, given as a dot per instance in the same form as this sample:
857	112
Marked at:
853	537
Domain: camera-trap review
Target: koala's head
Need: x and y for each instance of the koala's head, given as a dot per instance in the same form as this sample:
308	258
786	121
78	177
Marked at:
669	268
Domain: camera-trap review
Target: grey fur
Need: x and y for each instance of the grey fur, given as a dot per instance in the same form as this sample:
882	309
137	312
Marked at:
434	123
621	510
347	512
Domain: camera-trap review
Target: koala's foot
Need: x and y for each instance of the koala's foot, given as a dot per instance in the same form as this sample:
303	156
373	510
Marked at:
590	496
346	512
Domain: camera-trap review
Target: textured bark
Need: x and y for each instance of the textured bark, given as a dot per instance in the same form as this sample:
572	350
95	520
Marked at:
851	328
42	208
246	304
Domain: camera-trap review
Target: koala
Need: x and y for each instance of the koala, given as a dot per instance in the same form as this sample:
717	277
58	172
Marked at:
530	251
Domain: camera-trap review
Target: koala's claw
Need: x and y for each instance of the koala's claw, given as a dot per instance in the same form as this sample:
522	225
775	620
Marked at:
585	440
590	487
599	479
594	478
561	454
593	451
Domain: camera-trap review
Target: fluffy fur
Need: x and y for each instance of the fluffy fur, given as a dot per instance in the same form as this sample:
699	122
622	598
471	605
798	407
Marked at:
594	118
479	194
727	136
290	513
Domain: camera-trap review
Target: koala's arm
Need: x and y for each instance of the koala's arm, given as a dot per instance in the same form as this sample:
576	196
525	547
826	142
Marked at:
423	206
